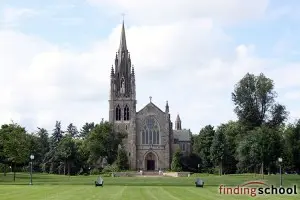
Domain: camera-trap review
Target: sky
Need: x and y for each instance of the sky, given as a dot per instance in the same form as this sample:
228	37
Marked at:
56	56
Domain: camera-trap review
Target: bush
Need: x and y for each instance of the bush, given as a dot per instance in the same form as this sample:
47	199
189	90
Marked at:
106	174
216	171
176	165
110	168
95	171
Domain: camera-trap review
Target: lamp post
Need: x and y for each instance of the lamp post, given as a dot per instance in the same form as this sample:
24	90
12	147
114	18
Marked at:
280	161
31	158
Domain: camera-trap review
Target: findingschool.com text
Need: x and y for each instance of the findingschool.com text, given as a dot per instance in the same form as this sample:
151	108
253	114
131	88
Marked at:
252	190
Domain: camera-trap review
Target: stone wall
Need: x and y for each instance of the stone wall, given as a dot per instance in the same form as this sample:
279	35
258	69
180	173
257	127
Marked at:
162	150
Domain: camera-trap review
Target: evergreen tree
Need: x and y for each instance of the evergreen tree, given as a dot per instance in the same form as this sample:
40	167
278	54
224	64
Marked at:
122	159
72	130
176	165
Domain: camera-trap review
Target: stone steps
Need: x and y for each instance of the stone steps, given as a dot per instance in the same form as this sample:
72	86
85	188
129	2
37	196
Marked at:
151	173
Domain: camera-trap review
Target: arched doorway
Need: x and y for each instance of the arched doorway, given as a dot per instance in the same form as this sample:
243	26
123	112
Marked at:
150	161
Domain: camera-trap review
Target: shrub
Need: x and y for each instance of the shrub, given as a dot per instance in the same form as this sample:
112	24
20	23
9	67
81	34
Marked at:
110	168
95	171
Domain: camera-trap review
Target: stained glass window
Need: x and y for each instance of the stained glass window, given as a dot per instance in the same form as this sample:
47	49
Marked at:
150	132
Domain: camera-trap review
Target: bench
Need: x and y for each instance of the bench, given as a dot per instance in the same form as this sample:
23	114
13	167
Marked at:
99	182
199	182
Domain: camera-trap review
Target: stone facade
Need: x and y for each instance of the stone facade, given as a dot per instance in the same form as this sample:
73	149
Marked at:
151	140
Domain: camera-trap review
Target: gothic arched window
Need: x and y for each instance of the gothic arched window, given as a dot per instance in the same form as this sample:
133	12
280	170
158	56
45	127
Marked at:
150	132
118	113
126	113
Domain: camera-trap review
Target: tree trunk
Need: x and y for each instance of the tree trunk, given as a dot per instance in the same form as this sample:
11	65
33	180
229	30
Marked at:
14	170
51	168
221	168
65	167
262	170
69	168
4	170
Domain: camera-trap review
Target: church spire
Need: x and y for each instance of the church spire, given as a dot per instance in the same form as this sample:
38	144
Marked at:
123	45
123	82
167	107
177	123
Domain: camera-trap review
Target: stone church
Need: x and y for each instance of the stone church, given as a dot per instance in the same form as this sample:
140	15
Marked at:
151	139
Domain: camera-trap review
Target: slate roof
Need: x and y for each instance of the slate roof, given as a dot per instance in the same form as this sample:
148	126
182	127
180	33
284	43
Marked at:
151	105
182	135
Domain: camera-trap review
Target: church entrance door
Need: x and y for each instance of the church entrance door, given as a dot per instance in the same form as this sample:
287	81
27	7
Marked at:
150	165
150	162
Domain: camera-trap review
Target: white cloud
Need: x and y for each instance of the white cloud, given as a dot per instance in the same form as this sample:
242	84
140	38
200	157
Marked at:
11	16
156	11
190	63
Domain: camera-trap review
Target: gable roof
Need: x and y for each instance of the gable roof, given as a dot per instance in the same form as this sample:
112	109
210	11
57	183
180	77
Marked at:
150	105
182	135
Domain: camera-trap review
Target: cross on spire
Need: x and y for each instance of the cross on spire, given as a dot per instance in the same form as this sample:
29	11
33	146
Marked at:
150	99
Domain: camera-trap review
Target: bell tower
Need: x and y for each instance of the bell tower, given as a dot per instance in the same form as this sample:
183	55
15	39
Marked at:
122	98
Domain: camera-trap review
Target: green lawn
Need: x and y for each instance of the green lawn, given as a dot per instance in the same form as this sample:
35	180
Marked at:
131	188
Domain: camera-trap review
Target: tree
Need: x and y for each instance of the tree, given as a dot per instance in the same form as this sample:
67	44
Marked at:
72	130
218	149
292	146
43	140
57	134
233	132
51	156
86	129
15	145
66	151
122	159
102	142
202	144
262	146
175	164
254	99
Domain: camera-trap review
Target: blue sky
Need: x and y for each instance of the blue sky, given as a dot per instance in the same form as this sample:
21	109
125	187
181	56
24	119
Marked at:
193	51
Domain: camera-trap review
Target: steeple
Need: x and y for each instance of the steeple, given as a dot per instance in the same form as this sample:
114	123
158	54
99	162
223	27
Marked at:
167	107
177	123
122	74
123	45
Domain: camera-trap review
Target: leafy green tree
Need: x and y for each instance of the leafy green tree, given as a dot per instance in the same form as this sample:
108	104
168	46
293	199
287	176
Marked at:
254	99
66	151
202	144
122	159
175	164
246	160
292	147
16	145
233	133
82	156
262	146
218	149
43	141
103	141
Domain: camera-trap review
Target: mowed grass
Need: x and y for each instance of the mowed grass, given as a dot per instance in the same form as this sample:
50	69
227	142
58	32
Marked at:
132	188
